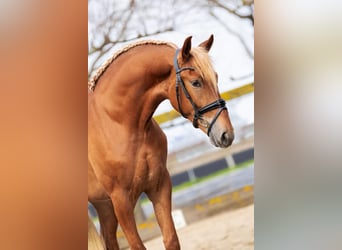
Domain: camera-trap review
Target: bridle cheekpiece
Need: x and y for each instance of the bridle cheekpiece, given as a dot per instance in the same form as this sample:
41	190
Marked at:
218	104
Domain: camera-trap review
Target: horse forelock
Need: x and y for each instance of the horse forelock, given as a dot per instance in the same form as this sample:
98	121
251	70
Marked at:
202	61
99	72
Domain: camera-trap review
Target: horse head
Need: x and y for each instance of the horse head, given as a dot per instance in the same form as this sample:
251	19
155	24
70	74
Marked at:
195	93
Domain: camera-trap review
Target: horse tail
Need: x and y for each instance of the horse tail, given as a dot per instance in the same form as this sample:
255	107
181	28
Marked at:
95	241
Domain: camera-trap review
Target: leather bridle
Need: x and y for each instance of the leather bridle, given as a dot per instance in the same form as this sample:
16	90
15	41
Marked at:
218	104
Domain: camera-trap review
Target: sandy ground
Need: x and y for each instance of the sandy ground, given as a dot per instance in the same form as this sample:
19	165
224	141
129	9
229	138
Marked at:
230	230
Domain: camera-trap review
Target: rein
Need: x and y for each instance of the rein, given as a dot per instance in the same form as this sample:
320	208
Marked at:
218	104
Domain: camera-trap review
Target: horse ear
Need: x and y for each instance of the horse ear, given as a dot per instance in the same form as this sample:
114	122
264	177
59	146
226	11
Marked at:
186	49
208	43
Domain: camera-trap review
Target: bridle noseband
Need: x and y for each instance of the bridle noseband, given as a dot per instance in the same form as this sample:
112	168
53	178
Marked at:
218	104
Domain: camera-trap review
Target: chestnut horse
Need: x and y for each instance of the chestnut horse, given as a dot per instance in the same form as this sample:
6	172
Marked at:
127	150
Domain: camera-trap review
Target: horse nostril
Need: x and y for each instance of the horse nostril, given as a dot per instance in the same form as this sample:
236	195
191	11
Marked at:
226	140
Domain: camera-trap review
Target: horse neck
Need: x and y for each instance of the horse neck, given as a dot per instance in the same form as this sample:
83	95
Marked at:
132	88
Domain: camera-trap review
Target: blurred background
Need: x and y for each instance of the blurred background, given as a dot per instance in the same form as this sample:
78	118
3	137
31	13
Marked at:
43	146
201	174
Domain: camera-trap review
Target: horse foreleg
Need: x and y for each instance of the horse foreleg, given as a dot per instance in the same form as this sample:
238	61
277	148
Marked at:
124	210
161	199
108	223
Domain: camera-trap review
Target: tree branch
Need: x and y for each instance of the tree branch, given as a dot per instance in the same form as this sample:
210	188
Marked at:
232	11
244	44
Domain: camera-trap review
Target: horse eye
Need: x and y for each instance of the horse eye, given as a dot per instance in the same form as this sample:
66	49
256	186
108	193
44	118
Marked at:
196	84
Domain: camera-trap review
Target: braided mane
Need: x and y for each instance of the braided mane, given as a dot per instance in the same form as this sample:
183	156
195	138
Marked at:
93	80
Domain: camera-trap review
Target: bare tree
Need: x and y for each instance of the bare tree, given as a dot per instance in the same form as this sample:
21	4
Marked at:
116	21
241	8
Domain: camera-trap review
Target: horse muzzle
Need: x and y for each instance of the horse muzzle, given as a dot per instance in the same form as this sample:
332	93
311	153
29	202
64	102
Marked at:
219	138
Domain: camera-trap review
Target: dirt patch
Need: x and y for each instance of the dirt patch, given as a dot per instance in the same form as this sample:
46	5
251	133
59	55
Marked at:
233	230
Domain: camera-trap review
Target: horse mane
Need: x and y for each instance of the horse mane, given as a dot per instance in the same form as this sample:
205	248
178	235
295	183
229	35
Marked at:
93	80
202	61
